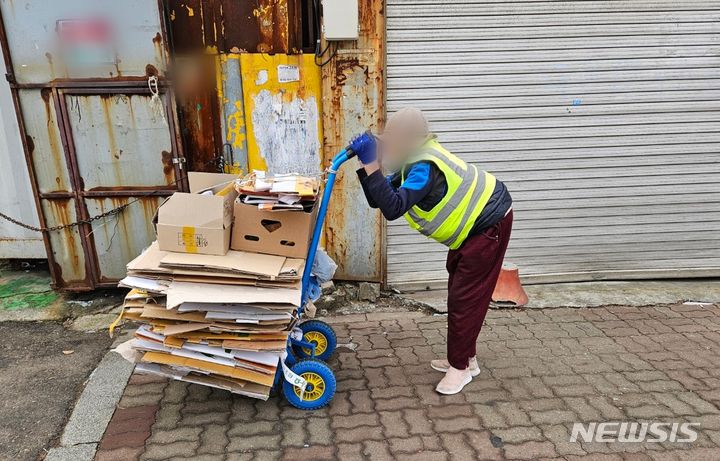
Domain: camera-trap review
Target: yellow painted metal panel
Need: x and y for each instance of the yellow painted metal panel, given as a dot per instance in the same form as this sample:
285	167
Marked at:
282	96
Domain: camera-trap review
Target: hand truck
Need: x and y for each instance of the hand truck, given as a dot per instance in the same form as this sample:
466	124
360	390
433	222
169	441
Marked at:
307	381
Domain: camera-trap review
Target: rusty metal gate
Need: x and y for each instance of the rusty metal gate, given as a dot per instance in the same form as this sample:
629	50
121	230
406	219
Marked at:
98	135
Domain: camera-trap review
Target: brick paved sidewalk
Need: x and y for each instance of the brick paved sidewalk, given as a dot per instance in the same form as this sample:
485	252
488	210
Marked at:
541	371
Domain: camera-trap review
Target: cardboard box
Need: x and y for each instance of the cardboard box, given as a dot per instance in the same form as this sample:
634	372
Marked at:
198	222
283	233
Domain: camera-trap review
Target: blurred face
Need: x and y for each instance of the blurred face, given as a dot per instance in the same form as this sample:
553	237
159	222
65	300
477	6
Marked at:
395	148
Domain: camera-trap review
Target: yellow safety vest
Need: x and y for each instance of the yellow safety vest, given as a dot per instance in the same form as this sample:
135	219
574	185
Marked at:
468	191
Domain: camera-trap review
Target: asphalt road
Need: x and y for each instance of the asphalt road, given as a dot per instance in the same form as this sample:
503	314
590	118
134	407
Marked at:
39	383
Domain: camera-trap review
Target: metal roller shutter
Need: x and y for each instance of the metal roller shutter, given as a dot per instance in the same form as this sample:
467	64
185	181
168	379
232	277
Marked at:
603	117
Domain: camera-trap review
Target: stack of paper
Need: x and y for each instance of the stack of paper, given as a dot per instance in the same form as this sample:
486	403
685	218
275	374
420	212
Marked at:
280	192
220	321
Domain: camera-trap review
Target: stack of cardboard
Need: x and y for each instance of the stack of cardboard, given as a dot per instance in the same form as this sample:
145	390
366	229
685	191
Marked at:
220	321
215	316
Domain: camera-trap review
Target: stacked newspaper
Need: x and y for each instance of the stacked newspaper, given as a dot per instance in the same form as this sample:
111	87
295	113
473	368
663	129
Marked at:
220	321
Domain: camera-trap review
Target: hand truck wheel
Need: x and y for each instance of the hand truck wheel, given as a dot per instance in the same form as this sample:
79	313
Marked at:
320	387
321	335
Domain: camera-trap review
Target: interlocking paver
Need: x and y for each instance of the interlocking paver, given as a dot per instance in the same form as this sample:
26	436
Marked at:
541	372
213	440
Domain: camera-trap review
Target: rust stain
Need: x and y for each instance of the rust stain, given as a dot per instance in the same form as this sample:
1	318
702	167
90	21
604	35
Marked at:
150	206
57	154
272	21
124	233
198	105
151	71
168	167
344	67
131	188
159	51
61	216
52	66
281	27
131	109
115	153
58	281
189	31
265	26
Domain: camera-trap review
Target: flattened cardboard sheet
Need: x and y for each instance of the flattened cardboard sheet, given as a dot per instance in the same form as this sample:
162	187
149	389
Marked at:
218	307
255	345
235	386
145	284
237	373
169	314
148	263
196	336
233	261
182	292
172	330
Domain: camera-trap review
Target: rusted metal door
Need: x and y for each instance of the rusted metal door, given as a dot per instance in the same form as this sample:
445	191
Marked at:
97	136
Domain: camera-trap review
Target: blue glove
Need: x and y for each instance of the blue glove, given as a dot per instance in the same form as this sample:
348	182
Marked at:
365	147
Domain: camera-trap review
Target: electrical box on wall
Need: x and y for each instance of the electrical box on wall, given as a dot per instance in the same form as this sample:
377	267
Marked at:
340	19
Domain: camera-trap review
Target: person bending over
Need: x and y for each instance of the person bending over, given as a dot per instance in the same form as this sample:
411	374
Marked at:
450	201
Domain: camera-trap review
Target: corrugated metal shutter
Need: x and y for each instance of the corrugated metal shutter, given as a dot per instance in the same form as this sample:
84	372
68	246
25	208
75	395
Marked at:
603	117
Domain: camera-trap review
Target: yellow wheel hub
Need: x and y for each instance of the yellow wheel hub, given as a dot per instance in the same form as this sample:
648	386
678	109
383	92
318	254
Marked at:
315	386
317	338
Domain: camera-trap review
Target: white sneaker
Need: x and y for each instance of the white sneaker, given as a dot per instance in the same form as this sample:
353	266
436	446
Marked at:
443	365
454	381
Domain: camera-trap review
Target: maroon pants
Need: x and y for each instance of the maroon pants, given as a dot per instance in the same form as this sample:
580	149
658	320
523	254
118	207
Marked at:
474	269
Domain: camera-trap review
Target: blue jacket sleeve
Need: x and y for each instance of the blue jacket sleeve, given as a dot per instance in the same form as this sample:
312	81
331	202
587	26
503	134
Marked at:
394	202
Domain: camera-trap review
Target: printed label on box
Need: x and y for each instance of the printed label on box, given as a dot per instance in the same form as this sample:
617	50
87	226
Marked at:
192	241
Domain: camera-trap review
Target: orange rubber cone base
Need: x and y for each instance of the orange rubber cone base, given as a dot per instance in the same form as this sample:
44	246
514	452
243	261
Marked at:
508	288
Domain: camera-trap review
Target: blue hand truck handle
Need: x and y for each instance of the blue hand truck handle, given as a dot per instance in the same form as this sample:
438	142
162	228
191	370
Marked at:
342	157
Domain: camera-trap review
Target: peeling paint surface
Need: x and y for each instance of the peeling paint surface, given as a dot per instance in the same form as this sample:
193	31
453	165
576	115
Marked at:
287	133
284	129
230	94
353	101
262	77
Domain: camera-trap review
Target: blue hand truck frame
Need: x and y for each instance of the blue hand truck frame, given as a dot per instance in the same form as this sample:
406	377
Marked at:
306	380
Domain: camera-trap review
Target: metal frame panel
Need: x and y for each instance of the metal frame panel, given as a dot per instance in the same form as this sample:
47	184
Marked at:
64	250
